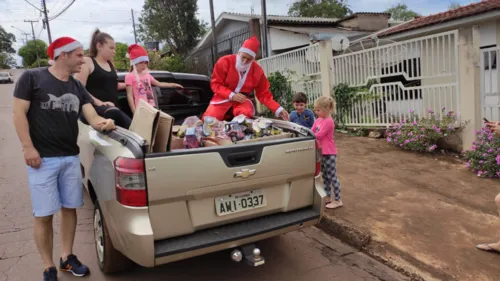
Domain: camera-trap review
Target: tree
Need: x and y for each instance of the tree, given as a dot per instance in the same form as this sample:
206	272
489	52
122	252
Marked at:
121	61
6	61
173	22
28	52
43	62
6	41
401	12
454	5
320	8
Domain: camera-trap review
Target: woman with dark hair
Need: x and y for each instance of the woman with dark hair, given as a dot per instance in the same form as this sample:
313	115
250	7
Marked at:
99	77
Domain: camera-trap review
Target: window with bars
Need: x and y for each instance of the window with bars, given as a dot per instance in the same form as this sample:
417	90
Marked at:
490	57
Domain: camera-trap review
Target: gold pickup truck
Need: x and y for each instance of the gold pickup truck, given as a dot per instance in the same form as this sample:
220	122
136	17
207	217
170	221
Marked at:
157	208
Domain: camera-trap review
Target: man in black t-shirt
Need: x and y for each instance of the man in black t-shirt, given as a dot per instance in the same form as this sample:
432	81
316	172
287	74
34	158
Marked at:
47	105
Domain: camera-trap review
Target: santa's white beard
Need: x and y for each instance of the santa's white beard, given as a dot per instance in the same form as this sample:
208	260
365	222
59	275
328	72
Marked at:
240	66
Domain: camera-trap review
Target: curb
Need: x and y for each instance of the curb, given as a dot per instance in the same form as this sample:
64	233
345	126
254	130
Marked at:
360	239
345	231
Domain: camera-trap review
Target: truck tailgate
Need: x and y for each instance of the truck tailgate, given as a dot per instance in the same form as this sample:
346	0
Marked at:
194	189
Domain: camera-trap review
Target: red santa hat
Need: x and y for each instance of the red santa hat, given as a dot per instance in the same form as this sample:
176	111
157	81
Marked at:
62	45
137	54
251	46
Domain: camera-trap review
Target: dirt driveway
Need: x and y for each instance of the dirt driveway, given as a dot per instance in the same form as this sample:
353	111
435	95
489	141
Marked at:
423	212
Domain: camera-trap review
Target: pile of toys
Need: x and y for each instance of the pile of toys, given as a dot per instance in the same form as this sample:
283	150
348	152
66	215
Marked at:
197	133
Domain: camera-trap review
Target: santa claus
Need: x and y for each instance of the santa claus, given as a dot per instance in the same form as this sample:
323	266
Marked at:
234	78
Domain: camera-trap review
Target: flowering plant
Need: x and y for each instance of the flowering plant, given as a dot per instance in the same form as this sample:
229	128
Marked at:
422	133
484	156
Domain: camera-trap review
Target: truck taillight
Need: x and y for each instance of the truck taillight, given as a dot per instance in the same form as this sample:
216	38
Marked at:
130	182
318	159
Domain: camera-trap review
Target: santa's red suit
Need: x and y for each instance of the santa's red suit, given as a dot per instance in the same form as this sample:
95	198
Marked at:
227	81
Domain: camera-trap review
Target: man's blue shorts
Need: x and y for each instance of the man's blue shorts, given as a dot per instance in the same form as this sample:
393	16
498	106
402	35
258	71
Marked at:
56	183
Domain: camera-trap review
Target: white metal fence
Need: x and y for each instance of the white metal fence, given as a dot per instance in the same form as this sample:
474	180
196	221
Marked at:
301	66
419	75
392	102
490	84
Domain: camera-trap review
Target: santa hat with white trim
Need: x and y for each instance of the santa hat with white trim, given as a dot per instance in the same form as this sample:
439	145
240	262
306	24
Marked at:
137	54
251	46
62	45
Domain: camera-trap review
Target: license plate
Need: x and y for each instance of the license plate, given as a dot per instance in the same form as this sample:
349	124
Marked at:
239	202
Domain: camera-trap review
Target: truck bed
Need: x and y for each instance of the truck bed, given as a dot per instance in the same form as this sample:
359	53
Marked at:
192	182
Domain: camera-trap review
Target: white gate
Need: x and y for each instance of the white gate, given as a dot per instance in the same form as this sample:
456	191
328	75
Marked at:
302	66
490	84
416	75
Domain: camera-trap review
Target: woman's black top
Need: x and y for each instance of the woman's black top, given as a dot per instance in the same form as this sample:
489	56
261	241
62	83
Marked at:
103	84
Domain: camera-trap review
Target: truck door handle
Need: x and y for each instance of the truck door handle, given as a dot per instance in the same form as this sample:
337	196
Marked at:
242	158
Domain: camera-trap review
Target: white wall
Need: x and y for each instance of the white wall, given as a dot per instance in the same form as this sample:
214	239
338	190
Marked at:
282	39
231	26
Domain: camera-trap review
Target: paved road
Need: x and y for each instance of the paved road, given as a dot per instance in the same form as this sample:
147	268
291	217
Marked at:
304	255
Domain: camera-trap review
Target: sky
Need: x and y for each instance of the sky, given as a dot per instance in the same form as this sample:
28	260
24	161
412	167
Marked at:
115	16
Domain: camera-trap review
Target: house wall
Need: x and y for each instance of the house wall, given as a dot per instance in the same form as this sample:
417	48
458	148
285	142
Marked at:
282	39
230	27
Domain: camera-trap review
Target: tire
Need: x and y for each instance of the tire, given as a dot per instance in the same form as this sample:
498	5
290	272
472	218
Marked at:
109	259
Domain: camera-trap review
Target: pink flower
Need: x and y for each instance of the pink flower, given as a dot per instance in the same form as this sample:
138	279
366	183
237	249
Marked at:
498	159
479	173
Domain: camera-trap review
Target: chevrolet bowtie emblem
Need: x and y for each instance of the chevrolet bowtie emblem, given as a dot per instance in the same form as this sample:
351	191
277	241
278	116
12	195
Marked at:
245	173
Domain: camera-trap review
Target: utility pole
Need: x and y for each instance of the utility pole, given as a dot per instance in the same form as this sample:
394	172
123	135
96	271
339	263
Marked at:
264	21
34	40
133	24
214	37
22	33
47	21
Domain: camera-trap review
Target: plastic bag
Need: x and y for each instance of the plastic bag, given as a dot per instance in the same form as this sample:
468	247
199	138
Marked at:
192	138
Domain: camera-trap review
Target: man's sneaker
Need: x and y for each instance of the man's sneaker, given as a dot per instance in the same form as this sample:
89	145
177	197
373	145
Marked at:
50	274
73	265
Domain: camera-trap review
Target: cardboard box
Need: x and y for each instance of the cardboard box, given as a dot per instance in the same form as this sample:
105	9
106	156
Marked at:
177	143
152	125
163	138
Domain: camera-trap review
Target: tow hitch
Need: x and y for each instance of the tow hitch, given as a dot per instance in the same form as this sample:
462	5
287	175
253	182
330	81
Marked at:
250	253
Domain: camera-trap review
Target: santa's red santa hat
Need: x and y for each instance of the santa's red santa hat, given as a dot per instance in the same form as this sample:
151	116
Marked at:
137	54
62	45
251	46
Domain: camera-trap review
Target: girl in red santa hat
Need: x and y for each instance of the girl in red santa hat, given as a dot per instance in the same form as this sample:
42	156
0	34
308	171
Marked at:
139	81
234	77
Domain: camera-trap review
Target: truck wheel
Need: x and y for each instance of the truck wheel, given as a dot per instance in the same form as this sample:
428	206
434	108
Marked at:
109	259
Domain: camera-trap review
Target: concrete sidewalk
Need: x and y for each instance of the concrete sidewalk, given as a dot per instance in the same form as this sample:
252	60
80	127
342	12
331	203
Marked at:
420	214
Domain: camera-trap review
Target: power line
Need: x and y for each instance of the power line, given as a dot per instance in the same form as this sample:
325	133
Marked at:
100	22
64	10
33	5
55	5
39	33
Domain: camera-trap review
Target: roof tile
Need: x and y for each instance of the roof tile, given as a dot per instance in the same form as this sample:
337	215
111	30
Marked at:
465	11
